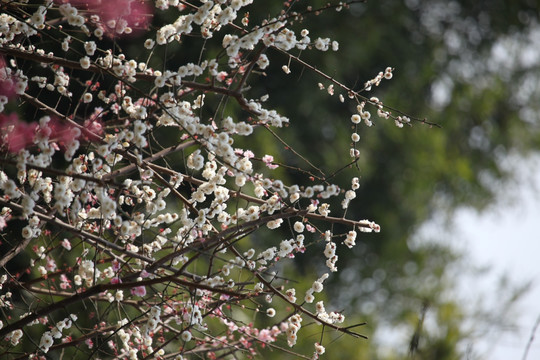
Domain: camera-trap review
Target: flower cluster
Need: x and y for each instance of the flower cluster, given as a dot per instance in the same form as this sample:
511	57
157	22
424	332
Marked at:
317	287
47	339
133	196
293	325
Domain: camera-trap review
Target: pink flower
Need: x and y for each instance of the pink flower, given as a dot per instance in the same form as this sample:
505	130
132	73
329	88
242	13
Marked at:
118	14
268	160
94	127
16	134
266	336
116	265
65	282
66	244
138	291
50	265
63	133
222	75
136	13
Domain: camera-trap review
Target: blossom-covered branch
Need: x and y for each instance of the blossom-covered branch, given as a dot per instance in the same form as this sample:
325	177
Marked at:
140	214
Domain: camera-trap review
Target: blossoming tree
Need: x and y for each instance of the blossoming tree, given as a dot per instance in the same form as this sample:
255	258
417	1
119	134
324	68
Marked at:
129	213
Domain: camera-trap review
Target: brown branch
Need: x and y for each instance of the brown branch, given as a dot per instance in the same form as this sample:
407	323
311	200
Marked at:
14	251
290	211
51	111
91	238
99	288
298	307
301	309
351	91
290	148
19	52
57	172
159	155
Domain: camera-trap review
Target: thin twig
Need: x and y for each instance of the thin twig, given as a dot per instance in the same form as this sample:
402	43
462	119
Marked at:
531	338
